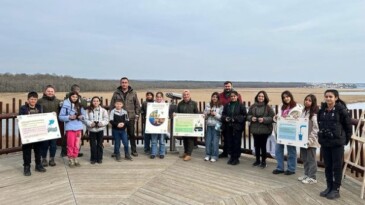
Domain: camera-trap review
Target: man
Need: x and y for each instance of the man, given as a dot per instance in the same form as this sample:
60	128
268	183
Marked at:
131	105
224	98
187	106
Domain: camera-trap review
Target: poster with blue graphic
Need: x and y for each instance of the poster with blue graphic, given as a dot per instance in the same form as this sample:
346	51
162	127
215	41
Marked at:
291	131
38	127
157	118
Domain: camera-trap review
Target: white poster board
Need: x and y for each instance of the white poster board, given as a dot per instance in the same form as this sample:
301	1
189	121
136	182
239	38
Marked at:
38	127
157	118
291	131
189	125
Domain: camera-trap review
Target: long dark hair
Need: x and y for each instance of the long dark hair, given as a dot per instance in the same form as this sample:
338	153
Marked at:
292	102
266	101
314	107
337	95
77	104
91	102
217	104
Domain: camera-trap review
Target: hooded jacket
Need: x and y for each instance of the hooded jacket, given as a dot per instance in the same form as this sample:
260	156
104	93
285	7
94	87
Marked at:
99	115
68	109
130	99
312	129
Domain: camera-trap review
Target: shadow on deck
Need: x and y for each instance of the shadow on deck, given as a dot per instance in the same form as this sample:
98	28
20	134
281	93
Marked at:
161	181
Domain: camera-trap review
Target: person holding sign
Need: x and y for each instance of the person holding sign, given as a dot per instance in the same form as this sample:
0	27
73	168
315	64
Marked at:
31	107
260	115
146	136
72	113
288	108
233	118
187	106
335	131
309	154
158	137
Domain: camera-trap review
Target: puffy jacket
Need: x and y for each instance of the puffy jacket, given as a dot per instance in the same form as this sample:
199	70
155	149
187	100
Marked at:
335	128
118	116
259	110
237	114
130	99
213	120
69	109
312	129
99	115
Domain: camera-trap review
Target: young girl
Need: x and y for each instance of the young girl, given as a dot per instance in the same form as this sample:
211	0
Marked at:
261	117
158	137
213	113
96	119
72	114
309	154
335	131
289	108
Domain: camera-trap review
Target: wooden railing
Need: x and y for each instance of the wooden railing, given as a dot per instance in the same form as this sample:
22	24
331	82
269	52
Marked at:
10	140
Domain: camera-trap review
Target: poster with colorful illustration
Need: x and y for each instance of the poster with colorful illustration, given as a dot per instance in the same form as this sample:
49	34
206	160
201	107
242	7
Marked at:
189	125
157	118
38	127
291	131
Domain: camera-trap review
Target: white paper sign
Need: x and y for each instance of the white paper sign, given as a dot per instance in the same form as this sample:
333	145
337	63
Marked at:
292	131
189	125
157	118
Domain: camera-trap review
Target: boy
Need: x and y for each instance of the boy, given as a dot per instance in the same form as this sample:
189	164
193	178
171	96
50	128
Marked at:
119	121
31	108
146	137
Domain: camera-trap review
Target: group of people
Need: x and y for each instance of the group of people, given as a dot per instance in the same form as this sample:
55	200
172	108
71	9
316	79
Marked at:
329	127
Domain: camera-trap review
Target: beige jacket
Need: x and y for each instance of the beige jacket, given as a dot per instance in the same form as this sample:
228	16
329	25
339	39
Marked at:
312	129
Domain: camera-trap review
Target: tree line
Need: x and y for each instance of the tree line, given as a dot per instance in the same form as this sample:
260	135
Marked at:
26	82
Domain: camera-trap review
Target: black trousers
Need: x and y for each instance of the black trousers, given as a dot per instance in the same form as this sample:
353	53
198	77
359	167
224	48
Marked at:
96	145
225	144
27	153
188	144
260	146
131	135
333	160
233	138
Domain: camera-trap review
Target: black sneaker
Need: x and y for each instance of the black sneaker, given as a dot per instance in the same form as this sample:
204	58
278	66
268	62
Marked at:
44	162
325	192
235	162
92	162
223	155
255	164
230	161
128	157
287	172
99	161
40	168
263	165
152	156
27	171
135	154
52	163
276	171
80	154
162	156
334	194
113	155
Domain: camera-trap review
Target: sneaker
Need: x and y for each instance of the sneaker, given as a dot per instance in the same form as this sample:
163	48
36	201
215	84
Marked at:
301	178
187	158
52	163
128	157
235	162
213	160
118	158
100	161
77	163
309	180
80	154
27	171
223	155
152	156
230	161
263	165
40	168
162	156
135	154
255	164
71	163
206	159
276	171
92	162
287	172
325	192
113	155
334	194
44	162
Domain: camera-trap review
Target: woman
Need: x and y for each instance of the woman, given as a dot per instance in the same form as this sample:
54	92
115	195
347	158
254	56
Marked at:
335	131
260	115
213	112
233	118
289	108
96	119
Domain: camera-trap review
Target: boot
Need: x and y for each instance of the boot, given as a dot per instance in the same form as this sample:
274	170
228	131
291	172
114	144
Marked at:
40	168
327	190
44	162
334	194
52	163
27	171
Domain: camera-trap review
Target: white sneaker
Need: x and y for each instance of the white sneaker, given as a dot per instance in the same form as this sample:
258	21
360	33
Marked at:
206	159
213	160
302	178
309	180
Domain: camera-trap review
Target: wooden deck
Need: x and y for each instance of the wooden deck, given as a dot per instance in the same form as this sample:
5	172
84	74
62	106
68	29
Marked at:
166	181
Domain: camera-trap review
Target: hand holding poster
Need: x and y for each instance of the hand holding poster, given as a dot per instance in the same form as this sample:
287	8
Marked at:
291	131
157	118
189	125
38	127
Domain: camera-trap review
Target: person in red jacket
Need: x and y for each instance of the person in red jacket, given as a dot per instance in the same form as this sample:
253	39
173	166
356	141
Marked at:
224	99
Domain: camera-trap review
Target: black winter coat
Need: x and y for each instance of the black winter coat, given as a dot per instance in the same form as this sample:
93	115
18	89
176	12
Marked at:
237	117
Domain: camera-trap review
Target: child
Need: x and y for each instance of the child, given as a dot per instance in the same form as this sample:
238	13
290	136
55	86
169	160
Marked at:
335	131
72	113
96	119
31	108
119	121
146	137
309	154
158	137
213	112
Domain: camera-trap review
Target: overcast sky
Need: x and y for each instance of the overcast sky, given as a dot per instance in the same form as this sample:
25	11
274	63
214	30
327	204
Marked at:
238	40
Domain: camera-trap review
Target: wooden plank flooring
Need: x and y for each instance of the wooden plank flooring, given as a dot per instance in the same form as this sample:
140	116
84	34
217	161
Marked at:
161	182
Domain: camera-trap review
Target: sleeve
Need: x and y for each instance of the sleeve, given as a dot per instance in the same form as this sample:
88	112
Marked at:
83	113
218	114
242	115
112	101
105	118
249	114
207	109
270	118
314	132
63	116
126	123
87	120
224	113
346	124
196	107
137	106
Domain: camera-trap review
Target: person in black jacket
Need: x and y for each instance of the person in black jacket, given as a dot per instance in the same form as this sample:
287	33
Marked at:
233	119
335	132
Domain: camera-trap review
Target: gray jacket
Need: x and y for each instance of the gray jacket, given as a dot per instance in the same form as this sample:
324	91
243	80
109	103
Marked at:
213	120
130	99
96	115
267	113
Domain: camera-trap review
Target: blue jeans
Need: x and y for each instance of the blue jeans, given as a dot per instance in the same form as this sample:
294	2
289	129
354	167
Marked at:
161	139
147	142
292	157
120	135
52	144
212	143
